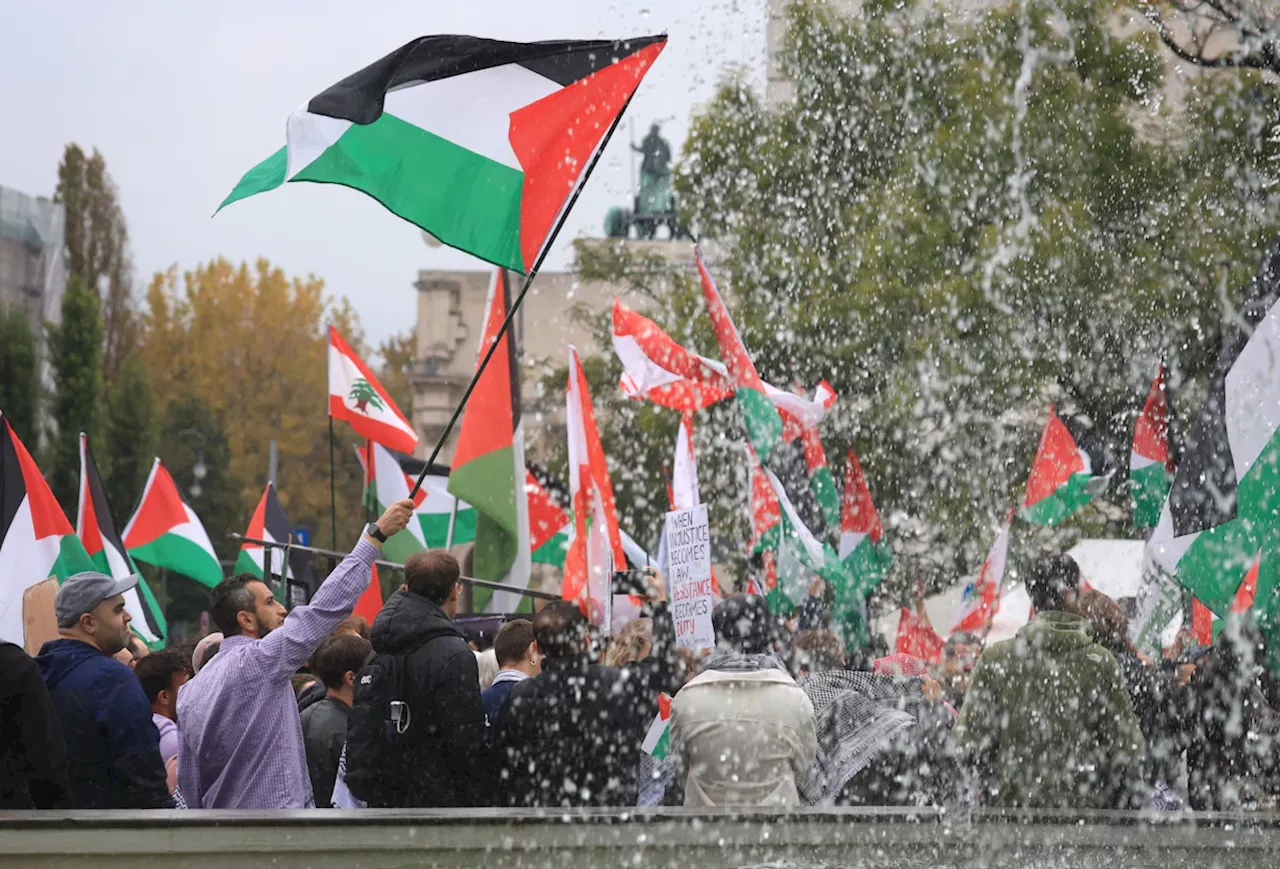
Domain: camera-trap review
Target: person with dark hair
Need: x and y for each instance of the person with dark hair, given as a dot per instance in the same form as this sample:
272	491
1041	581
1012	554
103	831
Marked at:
33	758
571	736
241	738
742	730
162	674
440	758
1047	722
324	723
518	659
113	749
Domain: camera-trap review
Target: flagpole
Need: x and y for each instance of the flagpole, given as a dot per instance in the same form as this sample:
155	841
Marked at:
333	496
368	479
515	306
453	520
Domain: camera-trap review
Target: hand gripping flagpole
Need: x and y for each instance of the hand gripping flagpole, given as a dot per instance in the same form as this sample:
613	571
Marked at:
515	305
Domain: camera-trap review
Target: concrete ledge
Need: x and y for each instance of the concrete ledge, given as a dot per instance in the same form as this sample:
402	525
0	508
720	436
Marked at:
667	838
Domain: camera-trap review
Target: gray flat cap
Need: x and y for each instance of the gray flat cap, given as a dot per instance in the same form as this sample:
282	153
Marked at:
84	591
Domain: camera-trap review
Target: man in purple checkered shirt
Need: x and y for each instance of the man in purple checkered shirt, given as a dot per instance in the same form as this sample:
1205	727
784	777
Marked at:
241	739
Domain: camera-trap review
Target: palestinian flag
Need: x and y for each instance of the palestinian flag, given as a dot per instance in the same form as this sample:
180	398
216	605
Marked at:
866	556
550	527
165	532
36	540
270	523
433	505
917	638
981	599
657	368
356	396
657	740
482	143
1221	515
488	463
1069	469
387	483
1150	462
764	425
96	528
1201	623
596	548
821	482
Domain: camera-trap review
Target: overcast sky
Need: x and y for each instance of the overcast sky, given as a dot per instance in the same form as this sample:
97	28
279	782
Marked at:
182	98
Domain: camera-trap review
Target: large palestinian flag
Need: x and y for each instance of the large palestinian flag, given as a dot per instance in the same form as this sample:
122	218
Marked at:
356	396
36	540
96	528
166	532
1223	510
1150	462
596	548
865	554
488	463
433	505
482	143
800	418
270	523
655	367
1070	468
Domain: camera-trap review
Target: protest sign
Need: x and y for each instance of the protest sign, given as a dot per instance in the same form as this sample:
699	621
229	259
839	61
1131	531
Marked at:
688	558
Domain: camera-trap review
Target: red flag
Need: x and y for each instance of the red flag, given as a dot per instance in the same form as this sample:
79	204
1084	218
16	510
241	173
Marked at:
1201	623
917	638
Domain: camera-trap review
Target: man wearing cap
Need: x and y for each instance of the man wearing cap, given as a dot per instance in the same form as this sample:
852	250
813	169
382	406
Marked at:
113	748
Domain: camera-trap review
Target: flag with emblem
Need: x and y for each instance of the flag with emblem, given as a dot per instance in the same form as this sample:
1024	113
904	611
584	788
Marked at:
981	600
480	142
36	540
356	396
165	532
96	528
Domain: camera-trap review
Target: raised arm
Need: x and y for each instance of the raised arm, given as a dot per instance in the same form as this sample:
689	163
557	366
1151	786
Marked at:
288	647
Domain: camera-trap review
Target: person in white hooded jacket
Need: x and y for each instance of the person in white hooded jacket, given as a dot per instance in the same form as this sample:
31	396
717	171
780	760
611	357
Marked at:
742	730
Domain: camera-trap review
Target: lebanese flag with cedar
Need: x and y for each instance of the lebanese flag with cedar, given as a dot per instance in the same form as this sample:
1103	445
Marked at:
657	368
356	396
36	540
480	142
596	549
917	638
981	600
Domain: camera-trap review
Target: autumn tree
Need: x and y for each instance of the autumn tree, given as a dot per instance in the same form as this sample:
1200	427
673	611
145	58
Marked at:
75	352
19	373
129	437
398	354
98	248
250	344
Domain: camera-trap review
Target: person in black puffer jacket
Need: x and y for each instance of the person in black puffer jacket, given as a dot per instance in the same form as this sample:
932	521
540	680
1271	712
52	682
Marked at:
571	735
443	759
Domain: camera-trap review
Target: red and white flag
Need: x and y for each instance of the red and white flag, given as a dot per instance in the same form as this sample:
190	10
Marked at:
356	396
917	638
657	368
982	599
597	543
684	475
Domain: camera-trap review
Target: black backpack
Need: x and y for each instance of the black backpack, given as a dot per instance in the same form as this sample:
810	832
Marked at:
380	724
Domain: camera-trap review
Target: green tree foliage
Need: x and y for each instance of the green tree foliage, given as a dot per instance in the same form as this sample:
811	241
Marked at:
75	351
98	248
194	448
129	437
959	221
19	375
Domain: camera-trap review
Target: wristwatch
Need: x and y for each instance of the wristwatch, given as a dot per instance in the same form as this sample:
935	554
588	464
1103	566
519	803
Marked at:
375	532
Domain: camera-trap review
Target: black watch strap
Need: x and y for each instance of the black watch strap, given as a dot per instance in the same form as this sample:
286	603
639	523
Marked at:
375	532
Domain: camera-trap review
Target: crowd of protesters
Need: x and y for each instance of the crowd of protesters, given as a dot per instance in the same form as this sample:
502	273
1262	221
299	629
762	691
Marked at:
314	707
